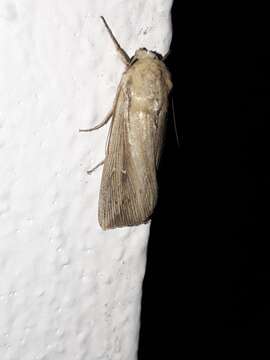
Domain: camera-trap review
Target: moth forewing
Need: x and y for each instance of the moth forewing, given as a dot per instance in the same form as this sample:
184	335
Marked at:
128	192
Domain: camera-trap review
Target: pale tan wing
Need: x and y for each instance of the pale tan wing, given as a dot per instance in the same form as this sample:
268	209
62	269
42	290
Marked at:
165	79
161	128
128	190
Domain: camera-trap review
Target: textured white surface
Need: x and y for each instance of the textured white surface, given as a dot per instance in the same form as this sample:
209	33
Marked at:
68	290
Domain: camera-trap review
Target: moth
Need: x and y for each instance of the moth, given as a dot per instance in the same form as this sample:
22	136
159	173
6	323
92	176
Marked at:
128	192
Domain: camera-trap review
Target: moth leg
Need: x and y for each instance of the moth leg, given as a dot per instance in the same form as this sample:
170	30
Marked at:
94	168
166	55
107	118
174	123
124	56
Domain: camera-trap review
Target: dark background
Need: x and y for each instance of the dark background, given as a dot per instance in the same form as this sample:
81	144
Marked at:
206	288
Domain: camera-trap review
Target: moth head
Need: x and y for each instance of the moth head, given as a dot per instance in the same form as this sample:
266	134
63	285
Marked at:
143	53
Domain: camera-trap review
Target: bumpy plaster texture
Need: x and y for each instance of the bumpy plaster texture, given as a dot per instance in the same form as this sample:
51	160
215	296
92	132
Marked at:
68	290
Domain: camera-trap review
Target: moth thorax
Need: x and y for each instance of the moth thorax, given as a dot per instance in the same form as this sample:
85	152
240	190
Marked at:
144	53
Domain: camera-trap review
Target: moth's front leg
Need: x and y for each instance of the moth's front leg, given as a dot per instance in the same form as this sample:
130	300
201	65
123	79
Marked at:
104	122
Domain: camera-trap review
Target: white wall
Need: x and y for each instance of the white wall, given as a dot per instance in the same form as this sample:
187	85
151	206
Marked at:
68	290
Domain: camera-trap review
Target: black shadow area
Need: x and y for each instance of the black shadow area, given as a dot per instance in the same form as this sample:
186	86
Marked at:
162	272
206	287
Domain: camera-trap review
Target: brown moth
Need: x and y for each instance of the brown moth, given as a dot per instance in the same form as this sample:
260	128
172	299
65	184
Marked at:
128	192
